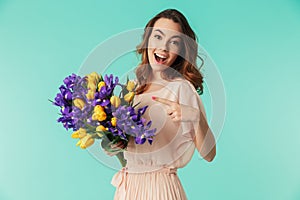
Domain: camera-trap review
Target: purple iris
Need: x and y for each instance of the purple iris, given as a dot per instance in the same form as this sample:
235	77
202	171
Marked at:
138	117
133	124
70	80
66	118
70	115
110	83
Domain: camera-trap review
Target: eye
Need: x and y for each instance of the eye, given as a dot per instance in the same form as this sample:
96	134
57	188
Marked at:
174	42
157	37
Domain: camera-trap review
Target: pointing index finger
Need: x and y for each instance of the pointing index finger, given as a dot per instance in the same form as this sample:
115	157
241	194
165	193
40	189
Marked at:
162	100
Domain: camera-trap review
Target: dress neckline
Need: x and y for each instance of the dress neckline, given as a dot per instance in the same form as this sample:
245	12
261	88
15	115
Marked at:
153	91
167	86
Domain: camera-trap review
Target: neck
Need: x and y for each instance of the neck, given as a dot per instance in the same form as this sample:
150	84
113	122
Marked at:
156	77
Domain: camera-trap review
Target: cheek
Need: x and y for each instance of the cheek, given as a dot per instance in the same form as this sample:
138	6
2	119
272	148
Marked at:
175	50
149	53
152	44
173	57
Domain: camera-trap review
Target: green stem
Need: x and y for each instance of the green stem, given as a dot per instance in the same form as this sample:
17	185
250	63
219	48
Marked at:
121	158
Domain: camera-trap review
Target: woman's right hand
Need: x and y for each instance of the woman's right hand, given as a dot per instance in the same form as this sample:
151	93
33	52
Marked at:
115	148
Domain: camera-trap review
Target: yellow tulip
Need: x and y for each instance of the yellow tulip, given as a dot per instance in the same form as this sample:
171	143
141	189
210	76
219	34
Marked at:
114	121
90	79
90	95
100	116
95	116
79	103
101	128
115	101
129	96
86	141
91	86
80	133
130	86
100	134
78	143
100	85
95	76
98	109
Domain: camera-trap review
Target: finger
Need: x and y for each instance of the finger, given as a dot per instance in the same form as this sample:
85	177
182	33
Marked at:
113	146
169	111
172	116
174	113
122	146
117	145
164	101
176	119
109	153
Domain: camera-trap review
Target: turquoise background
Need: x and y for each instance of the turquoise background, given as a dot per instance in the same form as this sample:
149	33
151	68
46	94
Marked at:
255	45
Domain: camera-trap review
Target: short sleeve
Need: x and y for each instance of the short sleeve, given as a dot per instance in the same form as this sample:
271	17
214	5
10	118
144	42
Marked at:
188	96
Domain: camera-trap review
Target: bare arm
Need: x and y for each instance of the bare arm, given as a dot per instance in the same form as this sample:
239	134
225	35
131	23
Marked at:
204	139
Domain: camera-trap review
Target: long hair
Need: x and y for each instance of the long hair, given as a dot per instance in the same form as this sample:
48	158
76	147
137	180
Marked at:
184	65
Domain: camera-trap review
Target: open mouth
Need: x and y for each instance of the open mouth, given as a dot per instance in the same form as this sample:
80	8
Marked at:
160	58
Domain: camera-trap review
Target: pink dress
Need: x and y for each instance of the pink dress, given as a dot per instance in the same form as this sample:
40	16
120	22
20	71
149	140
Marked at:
151	170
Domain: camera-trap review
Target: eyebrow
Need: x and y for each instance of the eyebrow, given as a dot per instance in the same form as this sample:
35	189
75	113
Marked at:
175	36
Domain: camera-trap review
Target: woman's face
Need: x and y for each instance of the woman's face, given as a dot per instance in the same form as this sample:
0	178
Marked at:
164	44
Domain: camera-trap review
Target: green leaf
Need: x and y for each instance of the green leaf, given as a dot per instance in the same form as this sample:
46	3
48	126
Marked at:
51	101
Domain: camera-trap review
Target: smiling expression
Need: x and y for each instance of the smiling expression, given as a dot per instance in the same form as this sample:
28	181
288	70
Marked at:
164	44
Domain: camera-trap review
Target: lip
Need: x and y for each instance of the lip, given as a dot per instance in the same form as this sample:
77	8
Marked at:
162	54
161	63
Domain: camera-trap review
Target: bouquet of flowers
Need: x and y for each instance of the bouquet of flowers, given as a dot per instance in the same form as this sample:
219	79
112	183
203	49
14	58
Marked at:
90	108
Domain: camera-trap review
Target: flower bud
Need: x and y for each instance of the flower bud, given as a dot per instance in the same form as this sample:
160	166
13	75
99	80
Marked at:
80	133
79	103
114	121
90	95
100	85
100	116
129	96
100	128
130	86
91	86
87	141
95	76
115	101
98	109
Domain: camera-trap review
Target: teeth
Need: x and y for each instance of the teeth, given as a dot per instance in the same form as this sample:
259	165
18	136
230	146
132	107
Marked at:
161	56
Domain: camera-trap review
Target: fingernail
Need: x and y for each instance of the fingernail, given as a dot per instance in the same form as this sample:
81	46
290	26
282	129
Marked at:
153	97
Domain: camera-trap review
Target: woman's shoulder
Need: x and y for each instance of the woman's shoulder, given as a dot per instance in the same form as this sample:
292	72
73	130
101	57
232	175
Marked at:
183	83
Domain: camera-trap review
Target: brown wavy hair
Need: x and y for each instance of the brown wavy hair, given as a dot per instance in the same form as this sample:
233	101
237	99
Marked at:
184	66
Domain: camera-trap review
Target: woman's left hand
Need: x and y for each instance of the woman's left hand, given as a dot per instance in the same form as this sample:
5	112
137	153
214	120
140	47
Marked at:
179	112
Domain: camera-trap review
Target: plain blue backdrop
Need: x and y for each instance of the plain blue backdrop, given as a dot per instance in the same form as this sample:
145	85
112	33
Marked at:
255	45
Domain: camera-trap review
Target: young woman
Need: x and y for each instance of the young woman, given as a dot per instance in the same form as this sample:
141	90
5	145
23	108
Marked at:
168	81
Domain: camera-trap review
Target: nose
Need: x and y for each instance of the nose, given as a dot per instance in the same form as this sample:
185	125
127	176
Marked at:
164	46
